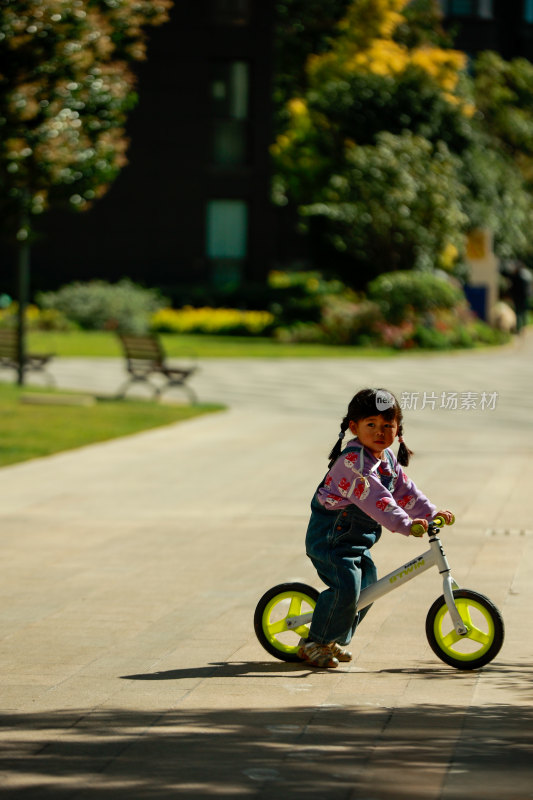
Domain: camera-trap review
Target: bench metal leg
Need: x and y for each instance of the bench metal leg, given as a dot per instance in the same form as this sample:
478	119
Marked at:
125	386
157	390
50	380
191	394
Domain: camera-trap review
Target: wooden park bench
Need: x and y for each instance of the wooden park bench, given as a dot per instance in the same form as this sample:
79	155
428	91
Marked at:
9	355
145	358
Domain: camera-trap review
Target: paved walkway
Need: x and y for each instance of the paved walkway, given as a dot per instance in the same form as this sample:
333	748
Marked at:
130	571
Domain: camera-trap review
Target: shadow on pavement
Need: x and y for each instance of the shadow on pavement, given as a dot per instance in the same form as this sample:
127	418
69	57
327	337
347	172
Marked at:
298	752
517	677
225	669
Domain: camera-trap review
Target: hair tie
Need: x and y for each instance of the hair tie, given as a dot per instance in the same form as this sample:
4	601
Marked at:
400	439
341	434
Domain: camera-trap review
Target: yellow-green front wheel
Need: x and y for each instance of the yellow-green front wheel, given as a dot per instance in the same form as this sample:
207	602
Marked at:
484	636
283	616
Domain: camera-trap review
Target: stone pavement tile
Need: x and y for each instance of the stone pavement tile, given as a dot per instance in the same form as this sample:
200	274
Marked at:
135	698
119	662
22	695
247	696
493	756
133	569
409	760
445	685
248	750
75	693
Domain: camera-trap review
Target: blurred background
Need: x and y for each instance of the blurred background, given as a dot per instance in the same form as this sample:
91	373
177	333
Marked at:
275	157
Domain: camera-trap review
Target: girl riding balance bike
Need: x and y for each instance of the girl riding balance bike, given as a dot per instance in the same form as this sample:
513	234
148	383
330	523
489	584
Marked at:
364	489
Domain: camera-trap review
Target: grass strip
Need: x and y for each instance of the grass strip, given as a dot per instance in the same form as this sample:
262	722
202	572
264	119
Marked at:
106	344
34	430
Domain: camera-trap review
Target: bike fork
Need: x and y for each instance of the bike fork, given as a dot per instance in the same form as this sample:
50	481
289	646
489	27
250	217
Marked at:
448	585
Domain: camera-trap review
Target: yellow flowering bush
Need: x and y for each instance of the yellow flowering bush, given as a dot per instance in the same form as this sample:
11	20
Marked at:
212	320
44	319
366	44
385	117
310	282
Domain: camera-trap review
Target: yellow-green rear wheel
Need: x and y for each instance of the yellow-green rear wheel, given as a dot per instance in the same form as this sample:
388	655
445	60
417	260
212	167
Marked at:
484	636
275	614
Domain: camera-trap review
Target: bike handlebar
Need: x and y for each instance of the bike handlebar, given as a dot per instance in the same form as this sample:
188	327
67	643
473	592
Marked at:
417	529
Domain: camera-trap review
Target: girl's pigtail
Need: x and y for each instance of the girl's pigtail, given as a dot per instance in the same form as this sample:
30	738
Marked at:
404	454
337	447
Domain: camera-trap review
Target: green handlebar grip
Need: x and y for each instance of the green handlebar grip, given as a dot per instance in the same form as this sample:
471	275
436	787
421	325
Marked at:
439	521
417	529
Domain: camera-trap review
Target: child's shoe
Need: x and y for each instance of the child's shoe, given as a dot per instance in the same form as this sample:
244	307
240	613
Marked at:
339	653
319	655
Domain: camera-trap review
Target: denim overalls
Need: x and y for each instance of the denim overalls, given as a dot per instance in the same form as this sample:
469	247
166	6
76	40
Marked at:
338	544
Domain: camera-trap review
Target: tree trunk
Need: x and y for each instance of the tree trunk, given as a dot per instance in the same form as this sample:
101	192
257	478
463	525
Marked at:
23	282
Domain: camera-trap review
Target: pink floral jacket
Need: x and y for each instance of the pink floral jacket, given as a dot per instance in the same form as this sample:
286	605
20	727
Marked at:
358	477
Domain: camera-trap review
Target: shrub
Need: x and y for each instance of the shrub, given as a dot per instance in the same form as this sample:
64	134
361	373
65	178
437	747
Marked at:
36	319
291	296
98	305
227	321
344	322
341	321
300	333
430	338
484	334
310	283
398	336
457	333
401	294
299	296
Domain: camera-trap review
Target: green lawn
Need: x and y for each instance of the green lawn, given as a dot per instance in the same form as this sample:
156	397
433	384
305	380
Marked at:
30	431
101	343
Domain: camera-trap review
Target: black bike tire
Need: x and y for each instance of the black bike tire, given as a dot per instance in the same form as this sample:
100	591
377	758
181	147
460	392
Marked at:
281	588
497	641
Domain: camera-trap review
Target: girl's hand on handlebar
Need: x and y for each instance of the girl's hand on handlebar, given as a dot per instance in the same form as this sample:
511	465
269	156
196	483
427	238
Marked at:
447	516
419	527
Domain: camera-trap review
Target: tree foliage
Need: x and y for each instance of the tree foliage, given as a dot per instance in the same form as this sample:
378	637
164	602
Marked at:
497	198
302	27
66	86
370	139
503	92
387	146
397	202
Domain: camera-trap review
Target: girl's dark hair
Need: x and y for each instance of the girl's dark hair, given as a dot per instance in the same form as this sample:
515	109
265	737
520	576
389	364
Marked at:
368	403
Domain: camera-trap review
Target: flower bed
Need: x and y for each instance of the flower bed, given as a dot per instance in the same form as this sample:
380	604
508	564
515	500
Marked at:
212	320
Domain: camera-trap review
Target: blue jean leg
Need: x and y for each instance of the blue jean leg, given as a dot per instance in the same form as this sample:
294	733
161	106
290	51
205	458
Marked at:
339	546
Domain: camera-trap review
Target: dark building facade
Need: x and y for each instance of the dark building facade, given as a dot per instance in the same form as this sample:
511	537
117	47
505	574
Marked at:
193	204
505	26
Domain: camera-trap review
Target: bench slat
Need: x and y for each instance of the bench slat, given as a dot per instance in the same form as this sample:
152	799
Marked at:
9	356
145	357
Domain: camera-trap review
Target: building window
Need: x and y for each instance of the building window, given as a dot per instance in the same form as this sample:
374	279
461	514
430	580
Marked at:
227	241
528	10
230	91
461	8
468	8
485	9
230	12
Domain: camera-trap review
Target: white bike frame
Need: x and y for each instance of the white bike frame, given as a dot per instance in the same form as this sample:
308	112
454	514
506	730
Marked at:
434	557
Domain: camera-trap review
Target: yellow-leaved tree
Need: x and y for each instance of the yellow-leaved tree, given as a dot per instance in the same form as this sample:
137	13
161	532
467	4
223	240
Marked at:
380	118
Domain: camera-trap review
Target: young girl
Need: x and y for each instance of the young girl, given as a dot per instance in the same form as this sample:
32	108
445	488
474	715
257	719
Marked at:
364	489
